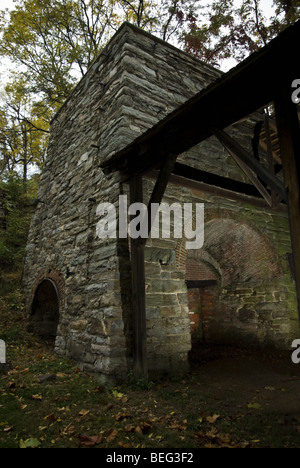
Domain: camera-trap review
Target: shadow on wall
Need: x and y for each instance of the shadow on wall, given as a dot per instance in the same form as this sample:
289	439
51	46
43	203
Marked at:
228	282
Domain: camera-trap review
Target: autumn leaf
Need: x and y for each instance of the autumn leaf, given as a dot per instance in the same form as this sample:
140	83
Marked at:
121	416
50	417
179	426
124	444
254	406
111	435
212	419
129	428
69	430
144	427
89	441
61	375
83	412
37	397
11	385
29	443
7	429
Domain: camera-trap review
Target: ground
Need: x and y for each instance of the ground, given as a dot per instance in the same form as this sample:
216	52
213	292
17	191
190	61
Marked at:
232	397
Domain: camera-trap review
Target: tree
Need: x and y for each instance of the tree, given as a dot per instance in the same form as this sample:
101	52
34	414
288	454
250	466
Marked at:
23	133
52	43
231	29
55	41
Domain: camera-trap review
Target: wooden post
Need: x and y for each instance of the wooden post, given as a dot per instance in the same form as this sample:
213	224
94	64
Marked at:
138	265
289	139
138	289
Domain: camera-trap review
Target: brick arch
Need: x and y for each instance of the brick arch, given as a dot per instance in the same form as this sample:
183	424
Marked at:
59	281
235	250
237	261
46	304
244	254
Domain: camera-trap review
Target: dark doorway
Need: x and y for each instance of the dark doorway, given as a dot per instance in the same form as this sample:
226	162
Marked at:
45	310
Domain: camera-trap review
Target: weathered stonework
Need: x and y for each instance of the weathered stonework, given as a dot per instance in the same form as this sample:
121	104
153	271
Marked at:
134	83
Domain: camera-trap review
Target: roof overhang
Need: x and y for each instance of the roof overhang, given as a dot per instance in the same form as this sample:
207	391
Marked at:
254	83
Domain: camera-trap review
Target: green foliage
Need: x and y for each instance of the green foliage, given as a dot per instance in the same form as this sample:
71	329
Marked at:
51	44
17	206
141	383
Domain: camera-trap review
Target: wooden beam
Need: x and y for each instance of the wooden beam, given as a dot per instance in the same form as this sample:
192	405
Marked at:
226	183
138	289
289	140
251	176
233	146
241	91
217	191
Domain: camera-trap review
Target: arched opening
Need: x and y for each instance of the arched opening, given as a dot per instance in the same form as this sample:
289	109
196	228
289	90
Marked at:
236	289
44	316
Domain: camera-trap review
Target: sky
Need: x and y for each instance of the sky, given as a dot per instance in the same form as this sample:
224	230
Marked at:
266	4
9	4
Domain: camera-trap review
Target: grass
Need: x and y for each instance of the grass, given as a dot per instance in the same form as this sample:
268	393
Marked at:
47	402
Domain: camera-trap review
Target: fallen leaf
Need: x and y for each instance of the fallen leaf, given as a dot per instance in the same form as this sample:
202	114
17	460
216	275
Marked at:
8	429
61	375
11	385
254	406
178	426
89	441
69	430
124	445
50	417
111	435
83	412
37	397
29	443
121	416
129	428
212	419
145	427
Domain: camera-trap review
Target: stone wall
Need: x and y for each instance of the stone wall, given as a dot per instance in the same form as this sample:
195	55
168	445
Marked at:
134	83
246	251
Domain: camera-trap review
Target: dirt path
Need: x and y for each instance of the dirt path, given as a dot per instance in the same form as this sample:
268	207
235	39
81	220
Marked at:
269	378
